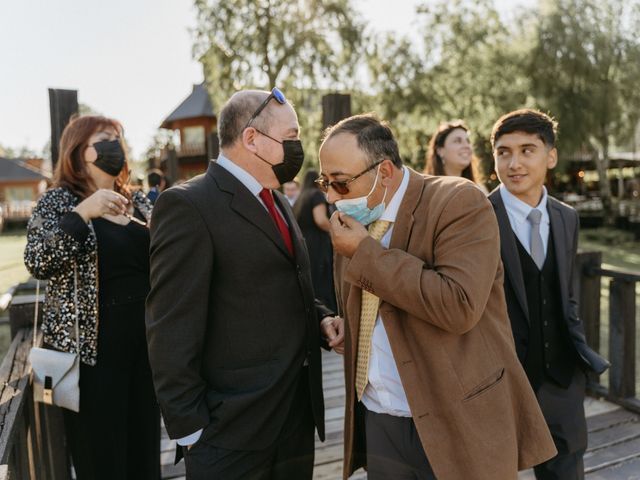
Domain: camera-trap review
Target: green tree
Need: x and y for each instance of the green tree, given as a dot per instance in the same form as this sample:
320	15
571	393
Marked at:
585	69
468	64
261	43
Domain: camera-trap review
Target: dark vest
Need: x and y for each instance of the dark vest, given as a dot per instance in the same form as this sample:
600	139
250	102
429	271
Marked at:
550	356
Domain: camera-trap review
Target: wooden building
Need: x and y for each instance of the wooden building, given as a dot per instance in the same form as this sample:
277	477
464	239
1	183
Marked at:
21	183
196	122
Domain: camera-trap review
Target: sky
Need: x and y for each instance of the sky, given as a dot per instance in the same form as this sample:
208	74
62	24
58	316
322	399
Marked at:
128	59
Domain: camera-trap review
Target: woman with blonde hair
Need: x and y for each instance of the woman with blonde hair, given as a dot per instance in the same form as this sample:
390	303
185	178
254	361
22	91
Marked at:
88	236
450	153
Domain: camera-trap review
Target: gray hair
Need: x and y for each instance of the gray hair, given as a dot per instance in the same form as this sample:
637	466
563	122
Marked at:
236	113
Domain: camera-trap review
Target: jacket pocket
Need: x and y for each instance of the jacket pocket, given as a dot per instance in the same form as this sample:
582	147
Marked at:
485	385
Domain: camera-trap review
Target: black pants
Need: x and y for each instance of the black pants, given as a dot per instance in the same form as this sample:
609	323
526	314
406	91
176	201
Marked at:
116	434
394	450
563	410
289	458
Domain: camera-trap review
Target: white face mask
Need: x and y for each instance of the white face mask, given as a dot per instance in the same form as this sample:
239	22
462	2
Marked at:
357	207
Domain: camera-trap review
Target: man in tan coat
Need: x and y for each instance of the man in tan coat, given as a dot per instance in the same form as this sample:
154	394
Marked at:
434	387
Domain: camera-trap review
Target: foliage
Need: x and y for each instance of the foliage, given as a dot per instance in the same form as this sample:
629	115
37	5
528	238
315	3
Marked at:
585	68
261	43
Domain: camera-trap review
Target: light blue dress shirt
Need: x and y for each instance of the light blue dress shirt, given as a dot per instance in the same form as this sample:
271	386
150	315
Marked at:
518	211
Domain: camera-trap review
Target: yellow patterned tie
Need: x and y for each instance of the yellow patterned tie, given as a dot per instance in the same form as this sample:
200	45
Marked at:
368	315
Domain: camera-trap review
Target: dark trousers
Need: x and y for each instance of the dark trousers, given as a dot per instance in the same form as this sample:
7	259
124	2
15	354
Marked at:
394	450
563	410
290	457
116	434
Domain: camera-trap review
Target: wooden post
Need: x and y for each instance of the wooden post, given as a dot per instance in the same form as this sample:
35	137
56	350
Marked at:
213	147
54	442
62	105
172	165
622	338
335	107
587	290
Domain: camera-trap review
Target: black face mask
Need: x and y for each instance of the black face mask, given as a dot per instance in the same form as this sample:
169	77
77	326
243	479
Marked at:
292	161
110	157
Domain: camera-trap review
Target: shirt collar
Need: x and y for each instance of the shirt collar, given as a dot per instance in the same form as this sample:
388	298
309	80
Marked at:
391	211
241	174
519	209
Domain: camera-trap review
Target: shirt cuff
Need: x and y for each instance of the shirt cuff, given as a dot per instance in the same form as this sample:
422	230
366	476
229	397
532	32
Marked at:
190	439
74	225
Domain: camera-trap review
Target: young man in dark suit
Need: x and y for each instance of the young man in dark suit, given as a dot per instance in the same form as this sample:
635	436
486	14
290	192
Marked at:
539	237
232	327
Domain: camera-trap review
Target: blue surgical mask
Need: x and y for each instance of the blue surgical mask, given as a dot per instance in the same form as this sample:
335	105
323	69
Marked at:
358	209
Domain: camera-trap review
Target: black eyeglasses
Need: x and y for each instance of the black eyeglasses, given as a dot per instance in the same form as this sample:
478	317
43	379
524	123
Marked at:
342	187
275	94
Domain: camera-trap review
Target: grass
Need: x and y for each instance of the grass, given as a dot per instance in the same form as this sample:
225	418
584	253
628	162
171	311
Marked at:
619	249
12	269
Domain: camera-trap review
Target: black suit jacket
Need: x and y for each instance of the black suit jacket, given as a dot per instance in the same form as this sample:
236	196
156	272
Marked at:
564	232
231	315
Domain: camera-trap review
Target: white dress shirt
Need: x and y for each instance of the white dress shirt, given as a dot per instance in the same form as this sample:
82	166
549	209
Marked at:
518	211
384	392
255	188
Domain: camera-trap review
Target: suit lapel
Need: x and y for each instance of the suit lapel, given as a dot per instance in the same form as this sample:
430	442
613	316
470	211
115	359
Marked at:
509	251
559	238
245	204
399	239
405	218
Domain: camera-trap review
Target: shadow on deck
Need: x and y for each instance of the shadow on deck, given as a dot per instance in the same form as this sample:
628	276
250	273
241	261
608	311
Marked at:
614	437
31	434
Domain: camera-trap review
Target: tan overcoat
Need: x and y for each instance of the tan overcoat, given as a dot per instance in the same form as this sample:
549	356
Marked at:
443	308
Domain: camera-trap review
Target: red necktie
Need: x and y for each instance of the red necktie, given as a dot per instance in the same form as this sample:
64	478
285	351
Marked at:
267	198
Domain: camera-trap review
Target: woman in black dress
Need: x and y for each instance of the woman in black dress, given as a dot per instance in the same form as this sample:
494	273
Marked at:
312	212
88	236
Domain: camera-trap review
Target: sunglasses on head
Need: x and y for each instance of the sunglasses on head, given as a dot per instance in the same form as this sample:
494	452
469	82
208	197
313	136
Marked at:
275	94
342	186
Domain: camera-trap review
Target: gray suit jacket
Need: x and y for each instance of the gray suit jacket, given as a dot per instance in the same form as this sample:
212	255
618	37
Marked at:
564	232
231	315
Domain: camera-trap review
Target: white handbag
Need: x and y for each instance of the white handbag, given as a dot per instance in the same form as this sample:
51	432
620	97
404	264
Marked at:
56	375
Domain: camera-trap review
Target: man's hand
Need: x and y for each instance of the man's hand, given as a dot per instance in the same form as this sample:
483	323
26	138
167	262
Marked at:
346	234
333	330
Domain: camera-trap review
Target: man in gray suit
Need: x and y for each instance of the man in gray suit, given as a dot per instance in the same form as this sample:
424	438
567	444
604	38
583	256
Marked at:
539	240
232	327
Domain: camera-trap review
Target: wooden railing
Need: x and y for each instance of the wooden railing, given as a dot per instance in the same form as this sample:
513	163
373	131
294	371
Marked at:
32	441
621	328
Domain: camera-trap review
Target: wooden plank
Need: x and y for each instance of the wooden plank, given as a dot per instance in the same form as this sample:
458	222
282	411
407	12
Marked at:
626	470
622	338
610	437
14	379
609	419
608	457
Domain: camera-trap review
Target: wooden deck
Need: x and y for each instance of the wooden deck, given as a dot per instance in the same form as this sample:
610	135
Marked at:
613	454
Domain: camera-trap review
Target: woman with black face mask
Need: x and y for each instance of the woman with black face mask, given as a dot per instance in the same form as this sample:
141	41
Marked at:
88	236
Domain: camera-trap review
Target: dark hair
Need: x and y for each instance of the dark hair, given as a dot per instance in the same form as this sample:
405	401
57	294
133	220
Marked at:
528	121
236	113
155	177
374	137
71	170
309	187
435	163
